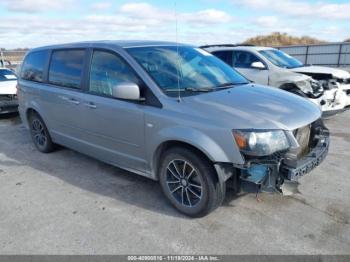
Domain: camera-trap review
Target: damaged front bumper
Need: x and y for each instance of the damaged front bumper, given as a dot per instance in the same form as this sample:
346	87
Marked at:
292	170
8	105
332	101
346	89
270	173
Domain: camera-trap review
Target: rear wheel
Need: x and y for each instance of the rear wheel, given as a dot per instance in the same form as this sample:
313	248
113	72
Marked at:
40	135
188	180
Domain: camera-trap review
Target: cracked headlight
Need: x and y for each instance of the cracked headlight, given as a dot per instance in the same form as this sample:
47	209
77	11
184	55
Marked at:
261	143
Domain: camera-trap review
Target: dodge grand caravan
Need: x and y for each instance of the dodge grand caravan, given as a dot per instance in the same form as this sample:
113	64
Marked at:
170	112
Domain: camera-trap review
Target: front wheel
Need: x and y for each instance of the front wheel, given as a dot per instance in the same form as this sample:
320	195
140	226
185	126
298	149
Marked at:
188	181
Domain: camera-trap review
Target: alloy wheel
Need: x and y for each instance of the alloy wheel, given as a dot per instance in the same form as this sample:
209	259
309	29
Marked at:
39	133
184	183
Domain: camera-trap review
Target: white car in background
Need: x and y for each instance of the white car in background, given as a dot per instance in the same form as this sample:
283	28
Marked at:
8	90
327	87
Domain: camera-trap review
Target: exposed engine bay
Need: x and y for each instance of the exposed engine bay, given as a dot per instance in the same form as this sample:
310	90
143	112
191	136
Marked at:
336	92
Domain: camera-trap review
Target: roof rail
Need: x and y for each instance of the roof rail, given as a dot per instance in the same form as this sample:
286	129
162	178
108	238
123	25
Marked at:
227	45
206	46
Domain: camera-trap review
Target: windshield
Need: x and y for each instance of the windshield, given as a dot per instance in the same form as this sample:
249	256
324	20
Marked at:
186	69
6	75
281	59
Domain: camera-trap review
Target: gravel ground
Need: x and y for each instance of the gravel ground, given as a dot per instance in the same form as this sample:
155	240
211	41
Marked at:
67	203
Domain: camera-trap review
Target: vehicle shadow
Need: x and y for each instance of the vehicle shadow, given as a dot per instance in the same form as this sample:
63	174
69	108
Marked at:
12	117
83	172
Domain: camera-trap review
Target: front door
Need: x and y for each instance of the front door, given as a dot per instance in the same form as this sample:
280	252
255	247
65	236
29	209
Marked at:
113	128
242	62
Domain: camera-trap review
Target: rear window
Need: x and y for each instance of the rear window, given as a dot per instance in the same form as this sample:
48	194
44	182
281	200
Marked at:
7	75
66	68
33	66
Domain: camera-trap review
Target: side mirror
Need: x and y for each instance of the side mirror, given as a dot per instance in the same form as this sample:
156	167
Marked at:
127	91
258	65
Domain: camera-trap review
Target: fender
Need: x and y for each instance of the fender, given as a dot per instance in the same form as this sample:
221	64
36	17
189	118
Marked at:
195	138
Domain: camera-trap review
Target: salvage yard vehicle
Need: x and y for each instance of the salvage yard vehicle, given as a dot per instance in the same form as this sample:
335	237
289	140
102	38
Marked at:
8	91
170	112
329	88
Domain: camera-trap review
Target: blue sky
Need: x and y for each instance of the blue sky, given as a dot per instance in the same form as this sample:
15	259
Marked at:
30	23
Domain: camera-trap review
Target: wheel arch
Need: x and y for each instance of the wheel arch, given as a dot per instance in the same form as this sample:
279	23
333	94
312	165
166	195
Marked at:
293	88
29	107
166	145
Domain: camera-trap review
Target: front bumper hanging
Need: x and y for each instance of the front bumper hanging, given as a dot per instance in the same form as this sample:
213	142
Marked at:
308	162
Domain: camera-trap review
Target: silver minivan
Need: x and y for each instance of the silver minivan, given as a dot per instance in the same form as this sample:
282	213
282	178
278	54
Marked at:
170	112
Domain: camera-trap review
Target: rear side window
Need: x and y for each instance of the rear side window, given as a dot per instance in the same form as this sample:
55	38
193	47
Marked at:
66	68
33	66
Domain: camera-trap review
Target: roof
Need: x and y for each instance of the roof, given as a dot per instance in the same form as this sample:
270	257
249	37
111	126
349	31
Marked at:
213	48
119	43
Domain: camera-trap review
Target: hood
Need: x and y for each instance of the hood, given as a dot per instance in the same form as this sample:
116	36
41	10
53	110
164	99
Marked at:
255	107
336	73
8	87
284	75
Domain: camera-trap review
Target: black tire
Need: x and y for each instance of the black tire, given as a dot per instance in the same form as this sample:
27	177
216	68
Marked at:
40	135
199	191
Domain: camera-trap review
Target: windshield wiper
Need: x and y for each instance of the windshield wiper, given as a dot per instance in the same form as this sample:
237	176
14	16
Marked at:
193	89
188	89
229	85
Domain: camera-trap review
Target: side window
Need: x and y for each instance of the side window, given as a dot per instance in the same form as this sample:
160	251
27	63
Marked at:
108	70
33	66
66	68
243	59
225	56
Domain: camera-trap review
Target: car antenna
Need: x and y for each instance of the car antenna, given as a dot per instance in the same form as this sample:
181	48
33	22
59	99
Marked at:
177	55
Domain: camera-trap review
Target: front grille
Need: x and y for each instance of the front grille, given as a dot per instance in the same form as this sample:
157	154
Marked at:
302	135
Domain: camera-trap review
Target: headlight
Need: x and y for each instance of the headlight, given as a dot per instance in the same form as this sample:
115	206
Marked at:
304	86
261	143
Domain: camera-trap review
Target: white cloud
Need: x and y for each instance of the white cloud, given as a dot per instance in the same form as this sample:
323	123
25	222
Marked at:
142	20
101	6
30	6
130	21
320	10
149	12
267	21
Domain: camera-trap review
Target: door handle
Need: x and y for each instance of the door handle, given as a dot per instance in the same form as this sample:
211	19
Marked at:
91	105
70	100
74	101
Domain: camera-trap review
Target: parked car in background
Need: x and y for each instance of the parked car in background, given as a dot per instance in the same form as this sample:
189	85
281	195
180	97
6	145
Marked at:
8	90
170	112
324	86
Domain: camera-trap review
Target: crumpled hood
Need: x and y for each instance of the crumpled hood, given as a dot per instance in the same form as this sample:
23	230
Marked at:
336	73
8	87
255	107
